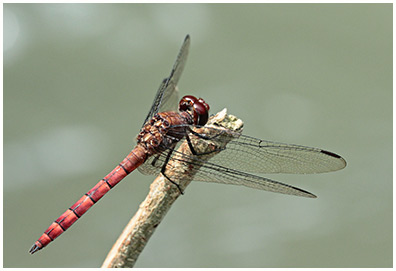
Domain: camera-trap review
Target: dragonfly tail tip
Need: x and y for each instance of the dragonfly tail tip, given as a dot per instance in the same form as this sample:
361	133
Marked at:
34	249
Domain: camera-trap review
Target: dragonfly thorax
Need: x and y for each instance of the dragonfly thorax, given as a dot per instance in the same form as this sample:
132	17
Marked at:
163	131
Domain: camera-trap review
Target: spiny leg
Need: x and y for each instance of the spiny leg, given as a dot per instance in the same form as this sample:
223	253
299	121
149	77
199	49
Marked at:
164	168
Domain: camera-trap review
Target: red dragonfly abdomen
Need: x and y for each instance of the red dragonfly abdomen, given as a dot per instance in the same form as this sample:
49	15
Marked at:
134	159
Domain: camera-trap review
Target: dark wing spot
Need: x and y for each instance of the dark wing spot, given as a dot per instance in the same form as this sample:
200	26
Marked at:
331	154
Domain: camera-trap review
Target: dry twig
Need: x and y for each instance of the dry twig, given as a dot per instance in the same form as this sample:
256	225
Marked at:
163	194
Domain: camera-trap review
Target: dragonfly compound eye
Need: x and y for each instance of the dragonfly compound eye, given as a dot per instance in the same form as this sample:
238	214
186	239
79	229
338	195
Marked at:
186	103
201	109
197	108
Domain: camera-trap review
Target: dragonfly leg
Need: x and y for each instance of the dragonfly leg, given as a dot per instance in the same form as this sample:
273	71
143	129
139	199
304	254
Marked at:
155	160
164	168
194	152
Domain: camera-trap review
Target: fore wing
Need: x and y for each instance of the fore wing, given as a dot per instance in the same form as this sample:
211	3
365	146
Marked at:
167	97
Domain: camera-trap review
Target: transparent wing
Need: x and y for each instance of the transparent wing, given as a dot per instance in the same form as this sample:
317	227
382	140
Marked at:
167	96
214	173
209	172
255	155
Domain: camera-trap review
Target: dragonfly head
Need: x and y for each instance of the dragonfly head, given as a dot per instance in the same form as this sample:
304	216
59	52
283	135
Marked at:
197	108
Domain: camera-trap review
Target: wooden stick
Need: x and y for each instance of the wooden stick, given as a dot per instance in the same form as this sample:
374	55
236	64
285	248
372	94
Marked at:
163	194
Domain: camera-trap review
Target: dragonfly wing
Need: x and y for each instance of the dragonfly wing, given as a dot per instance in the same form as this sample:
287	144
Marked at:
167	96
205	171
251	154
217	174
256	155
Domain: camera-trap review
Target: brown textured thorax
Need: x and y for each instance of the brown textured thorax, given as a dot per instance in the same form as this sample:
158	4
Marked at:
152	134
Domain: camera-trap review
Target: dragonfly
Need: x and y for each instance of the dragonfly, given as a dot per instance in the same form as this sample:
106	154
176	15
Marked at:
169	123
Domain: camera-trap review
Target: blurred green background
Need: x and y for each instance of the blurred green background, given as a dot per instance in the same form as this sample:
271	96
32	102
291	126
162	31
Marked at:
79	80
